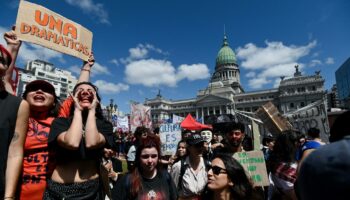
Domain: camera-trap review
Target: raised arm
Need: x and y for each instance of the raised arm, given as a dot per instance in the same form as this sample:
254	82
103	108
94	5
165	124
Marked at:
93	139
86	69
15	152
71	138
13	45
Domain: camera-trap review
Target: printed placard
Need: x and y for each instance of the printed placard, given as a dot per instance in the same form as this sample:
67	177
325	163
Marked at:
39	25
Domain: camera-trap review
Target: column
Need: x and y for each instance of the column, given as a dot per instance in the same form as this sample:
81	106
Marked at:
220	108
214	112
197	113
202	112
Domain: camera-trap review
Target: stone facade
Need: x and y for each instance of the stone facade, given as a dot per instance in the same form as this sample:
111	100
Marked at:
225	94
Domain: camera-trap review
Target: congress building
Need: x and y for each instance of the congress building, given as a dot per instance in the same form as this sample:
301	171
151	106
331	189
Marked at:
225	93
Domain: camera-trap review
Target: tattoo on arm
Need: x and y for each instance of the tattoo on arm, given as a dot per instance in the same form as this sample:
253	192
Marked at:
15	137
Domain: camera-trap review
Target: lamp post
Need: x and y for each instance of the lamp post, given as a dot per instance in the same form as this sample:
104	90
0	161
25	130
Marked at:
111	108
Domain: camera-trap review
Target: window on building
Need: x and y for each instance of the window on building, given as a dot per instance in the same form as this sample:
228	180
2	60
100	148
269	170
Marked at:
41	74
63	79
302	104
291	105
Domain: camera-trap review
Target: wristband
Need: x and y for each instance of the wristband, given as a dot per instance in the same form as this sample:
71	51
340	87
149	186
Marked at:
82	69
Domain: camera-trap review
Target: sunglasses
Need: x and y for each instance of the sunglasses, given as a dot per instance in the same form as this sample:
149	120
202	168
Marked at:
217	170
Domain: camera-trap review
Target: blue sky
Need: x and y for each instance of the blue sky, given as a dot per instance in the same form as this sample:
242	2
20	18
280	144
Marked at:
142	46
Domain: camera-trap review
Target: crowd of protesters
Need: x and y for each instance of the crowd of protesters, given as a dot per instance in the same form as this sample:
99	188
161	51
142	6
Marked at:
68	150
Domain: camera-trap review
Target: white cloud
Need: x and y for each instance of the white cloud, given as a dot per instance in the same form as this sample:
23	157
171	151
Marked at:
153	73
273	54
91	8
257	83
329	61
97	69
269	62
114	61
141	51
315	62
110	88
75	69
250	74
193	72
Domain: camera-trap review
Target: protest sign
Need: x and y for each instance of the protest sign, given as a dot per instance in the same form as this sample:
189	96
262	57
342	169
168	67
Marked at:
272	119
42	26
311	116
254	164
123	123
140	116
170	135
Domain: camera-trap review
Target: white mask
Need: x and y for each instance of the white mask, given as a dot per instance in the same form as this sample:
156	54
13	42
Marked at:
207	135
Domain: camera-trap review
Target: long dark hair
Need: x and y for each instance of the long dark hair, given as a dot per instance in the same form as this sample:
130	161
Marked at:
99	113
284	150
242	185
136	177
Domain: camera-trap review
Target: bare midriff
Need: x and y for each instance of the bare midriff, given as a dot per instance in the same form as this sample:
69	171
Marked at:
75	171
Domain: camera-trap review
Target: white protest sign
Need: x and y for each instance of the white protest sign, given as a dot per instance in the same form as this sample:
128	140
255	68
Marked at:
311	116
170	135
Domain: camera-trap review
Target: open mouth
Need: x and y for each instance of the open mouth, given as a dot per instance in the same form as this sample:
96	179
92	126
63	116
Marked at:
39	98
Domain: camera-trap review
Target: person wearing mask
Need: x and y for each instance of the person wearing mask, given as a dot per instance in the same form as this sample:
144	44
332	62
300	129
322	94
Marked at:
148	180
78	144
13	126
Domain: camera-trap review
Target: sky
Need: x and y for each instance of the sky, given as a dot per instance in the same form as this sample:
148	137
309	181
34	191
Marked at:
142	47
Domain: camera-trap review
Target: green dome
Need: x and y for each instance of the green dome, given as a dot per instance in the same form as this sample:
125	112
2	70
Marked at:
225	55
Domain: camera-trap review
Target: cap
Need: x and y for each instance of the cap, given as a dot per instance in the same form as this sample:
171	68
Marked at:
39	84
194	139
5	51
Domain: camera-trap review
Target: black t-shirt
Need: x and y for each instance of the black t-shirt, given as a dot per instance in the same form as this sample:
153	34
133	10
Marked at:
9	106
60	125
160	187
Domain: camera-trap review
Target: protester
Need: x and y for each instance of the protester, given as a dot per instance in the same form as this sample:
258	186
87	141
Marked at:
83	137
180	153
13	125
227	180
147	181
234	136
207	135
312	143
283	166
190	174
268	143
44	107
140	132
324	174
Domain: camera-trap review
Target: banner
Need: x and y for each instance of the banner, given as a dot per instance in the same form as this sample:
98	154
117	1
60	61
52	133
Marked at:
177	119
140	116
39	25
311	116
170	135
123	123
254	164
